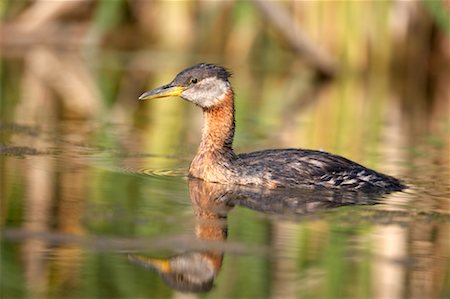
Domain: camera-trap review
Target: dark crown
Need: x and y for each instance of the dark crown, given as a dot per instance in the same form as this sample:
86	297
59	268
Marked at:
201	71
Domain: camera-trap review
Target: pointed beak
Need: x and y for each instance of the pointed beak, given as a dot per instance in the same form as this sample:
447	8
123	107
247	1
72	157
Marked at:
168	90
160	265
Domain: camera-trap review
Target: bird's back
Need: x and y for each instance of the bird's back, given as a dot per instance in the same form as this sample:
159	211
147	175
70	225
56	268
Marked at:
296	167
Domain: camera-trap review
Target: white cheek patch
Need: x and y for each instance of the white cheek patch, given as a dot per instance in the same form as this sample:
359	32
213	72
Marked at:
207	92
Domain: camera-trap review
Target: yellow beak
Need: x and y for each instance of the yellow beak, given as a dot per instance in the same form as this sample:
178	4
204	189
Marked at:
161	265
164	91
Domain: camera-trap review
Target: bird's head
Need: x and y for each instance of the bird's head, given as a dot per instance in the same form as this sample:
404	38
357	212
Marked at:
202	84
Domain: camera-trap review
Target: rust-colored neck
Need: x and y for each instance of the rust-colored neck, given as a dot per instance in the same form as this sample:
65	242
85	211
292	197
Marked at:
218	131
216	147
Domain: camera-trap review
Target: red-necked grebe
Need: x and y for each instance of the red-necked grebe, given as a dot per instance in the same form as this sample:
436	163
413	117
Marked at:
208	86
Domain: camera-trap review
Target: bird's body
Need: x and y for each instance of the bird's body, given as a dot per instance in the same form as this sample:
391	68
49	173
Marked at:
207	86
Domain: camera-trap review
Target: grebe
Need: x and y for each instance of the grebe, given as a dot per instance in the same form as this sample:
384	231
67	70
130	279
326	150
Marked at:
208	86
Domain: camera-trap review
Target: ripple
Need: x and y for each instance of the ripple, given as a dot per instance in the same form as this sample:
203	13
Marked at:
175	172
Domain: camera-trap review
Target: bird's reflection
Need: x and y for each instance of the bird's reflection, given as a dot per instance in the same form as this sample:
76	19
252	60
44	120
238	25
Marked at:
195	271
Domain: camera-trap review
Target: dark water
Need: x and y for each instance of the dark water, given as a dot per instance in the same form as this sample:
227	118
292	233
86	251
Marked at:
87	214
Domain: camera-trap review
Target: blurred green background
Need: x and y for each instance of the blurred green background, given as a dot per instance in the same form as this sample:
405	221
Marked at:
388	61
82	158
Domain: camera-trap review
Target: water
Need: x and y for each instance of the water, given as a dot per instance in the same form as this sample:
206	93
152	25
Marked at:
85	216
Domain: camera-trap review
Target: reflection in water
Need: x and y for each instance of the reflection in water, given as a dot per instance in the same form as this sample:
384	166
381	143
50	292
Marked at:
195	271
68	238
47	182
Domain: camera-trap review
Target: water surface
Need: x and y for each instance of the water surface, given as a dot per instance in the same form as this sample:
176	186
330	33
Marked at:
87	214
